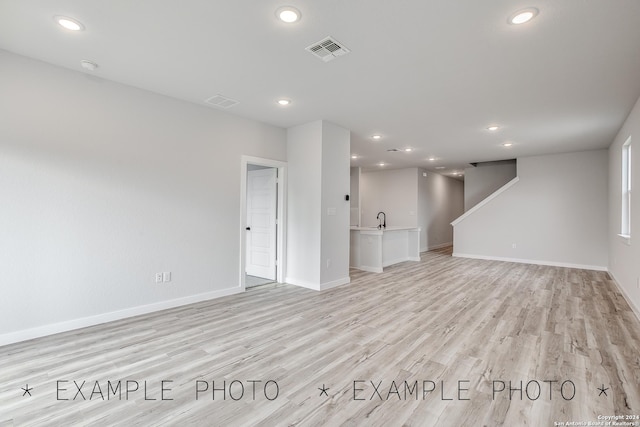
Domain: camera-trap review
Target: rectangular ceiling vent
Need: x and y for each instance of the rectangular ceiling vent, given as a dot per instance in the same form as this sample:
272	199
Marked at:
328	49
221	101
393	150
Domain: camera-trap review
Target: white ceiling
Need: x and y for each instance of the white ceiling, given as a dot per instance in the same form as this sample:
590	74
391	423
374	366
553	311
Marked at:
430	75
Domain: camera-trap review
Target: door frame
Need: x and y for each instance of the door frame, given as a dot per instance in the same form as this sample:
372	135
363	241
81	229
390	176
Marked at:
281	232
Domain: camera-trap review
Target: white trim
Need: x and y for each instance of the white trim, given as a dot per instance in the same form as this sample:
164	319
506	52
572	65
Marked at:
397	261
625	238
434	247
627	170
486	200
282	214
318	286
335	283
302	283
369	269
533	261
626	296
70	325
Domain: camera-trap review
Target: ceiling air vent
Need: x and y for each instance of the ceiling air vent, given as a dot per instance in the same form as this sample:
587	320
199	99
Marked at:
393	150
221	101
327	49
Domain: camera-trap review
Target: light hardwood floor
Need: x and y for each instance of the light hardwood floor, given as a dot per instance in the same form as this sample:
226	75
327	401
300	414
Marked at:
444	322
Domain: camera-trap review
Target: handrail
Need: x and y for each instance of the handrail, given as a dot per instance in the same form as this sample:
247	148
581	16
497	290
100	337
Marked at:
486	200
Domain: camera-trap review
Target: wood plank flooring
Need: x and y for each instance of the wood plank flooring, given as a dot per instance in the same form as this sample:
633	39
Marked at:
443	342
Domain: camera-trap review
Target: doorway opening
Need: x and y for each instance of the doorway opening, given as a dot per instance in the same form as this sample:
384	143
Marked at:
262	219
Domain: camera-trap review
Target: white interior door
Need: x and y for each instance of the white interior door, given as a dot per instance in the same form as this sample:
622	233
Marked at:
261	223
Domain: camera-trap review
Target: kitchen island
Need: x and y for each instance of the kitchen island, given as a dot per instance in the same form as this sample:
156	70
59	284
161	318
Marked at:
372	248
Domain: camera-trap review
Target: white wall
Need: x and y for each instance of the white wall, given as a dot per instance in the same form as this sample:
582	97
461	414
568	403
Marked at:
392	191
318	214
104	185
440	201
624	259
485	178
336	149
555	214
304	152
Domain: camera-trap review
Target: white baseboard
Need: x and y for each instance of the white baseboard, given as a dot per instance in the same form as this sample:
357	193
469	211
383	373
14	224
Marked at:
369	269
626	296
302	283
533	261
69	325
394	261
318	286
434	247
335	283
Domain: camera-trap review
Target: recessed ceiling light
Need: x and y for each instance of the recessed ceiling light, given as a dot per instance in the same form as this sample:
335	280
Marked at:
493	128
376	136
288	14
522	16
408	150
431	159
353	156
439	167
507	144
284	101
381	164
69	23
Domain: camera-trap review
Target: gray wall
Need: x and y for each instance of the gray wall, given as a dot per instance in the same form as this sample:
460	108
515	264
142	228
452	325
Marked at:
104	185
393	191
485	178
624	257
354	199
440	201
555	214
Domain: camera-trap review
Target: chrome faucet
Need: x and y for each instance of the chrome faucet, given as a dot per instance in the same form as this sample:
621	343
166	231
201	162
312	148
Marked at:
383	223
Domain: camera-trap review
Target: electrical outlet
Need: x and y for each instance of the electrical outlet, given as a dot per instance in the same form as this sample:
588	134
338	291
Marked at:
166	276
328	263
158	277
513	246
